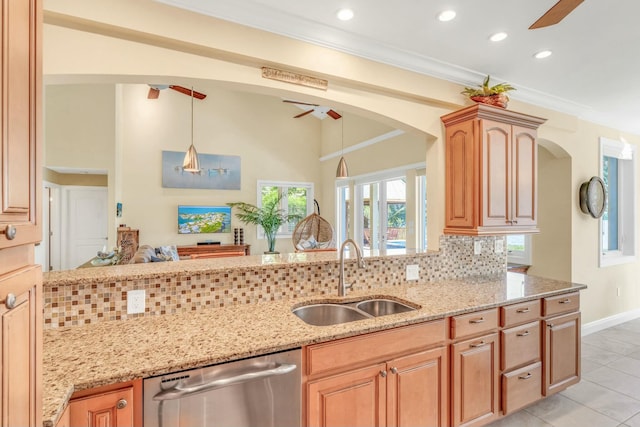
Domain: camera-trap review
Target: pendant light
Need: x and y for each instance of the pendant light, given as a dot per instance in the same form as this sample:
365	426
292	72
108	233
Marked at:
191	162
342	171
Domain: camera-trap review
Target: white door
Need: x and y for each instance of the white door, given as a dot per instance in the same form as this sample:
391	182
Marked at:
85	224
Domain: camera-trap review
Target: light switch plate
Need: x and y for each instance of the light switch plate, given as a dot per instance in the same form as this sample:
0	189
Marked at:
413	272
477	247
136	301
499	245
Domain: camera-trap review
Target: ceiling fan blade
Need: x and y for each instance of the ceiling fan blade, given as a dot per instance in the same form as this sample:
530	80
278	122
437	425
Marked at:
299	103
333	114
153	93
188	91
303	114
556	14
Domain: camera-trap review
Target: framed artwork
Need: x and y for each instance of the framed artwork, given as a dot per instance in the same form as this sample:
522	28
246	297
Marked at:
217	172
204	219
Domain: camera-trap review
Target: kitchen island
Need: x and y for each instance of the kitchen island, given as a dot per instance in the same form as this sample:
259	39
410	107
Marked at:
83	357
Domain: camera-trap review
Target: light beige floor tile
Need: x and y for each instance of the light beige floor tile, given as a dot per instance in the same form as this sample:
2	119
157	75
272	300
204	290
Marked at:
615	380
589	365
627	365
607	402
633	421
561	411
520	419
603	341
599	355
620	334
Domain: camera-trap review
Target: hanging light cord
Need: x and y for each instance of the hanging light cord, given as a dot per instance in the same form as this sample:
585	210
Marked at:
191	115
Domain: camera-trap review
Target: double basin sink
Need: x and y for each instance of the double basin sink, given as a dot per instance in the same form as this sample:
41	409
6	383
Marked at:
326	314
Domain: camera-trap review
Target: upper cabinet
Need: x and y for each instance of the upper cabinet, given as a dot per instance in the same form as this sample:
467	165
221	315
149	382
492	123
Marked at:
491	171
20	93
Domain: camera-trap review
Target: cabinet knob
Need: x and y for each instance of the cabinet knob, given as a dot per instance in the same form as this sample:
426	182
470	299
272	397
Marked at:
383	374
394	370
10	232
122	403
9	301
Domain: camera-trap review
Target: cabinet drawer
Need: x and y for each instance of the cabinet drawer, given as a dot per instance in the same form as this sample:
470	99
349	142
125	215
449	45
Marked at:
520	345
521	387
517	314
339	355
561	304
466	325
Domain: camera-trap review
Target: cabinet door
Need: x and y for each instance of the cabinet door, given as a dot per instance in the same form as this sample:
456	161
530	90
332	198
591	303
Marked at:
496	174
111	409
460	179
524	192
417	390
20	94
561	352
475	381
356	399
21	326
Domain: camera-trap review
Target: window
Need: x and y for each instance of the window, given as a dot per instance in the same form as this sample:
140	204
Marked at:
296	198
617	228
519	249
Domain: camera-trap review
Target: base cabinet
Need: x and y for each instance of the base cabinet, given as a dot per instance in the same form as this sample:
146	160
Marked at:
115	406
561	352
475	381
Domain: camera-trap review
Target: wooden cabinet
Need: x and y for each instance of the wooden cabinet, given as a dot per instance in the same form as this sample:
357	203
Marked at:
20	136
386	378
65	419
21	326
118	405
561	347
491	171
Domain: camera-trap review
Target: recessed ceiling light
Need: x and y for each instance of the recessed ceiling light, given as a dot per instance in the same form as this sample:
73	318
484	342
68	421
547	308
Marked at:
498	37
542	54
447	15
345	14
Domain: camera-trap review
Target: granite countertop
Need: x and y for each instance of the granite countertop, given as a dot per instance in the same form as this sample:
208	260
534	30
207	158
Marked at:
83	357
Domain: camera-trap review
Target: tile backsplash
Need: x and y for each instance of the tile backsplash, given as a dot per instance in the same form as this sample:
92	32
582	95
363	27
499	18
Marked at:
91	300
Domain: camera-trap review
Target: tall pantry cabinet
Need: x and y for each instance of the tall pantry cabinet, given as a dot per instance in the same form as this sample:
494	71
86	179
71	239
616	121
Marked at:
491	171
20	212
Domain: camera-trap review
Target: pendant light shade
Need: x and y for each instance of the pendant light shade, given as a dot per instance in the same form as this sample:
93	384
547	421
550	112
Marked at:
342	171
191	162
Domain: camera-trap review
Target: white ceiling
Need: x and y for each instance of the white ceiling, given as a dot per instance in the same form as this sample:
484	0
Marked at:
594	71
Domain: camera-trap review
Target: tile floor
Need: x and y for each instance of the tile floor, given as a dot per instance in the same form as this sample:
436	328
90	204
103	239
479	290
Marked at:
608	394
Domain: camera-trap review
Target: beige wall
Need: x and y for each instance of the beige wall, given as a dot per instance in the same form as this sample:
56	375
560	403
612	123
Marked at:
161	41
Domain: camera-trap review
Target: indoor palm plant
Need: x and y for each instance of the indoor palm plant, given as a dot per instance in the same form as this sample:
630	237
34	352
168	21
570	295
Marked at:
492	95
270	216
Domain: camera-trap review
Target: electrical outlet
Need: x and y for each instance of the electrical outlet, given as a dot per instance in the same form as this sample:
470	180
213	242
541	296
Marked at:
136	301
477	247
499	245
413	272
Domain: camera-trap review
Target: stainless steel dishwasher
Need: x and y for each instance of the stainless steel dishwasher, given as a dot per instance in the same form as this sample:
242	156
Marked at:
261	391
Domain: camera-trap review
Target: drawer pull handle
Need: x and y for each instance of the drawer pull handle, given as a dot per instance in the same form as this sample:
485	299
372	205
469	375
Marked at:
525	377
10	232
523	334
394	370
564	301
474	321
479	344
10	301
523	310
383	374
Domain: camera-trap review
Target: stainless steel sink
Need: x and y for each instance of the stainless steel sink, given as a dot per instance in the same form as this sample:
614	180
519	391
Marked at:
382	307
326	314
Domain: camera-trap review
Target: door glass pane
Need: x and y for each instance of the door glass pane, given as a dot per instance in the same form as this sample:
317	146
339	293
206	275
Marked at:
396	214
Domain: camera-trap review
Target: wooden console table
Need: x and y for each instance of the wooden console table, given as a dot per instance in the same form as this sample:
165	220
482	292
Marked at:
212	251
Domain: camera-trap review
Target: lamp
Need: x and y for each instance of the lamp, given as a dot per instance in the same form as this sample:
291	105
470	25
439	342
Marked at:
191	162
342	171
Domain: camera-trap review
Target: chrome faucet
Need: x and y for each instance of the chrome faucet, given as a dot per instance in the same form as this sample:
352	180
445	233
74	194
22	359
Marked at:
342	287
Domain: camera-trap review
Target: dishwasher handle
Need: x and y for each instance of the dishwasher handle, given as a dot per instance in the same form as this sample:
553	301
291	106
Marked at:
180	392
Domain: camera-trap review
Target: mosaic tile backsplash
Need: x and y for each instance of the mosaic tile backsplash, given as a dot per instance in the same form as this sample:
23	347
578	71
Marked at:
70	301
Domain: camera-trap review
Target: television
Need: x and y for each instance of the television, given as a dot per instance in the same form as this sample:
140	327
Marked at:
204	219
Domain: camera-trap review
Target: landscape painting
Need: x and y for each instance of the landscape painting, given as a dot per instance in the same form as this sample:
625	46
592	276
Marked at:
216	172
204	219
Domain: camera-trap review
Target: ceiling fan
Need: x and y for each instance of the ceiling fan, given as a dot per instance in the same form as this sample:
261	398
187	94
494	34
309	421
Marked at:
154	91
556	14
314	108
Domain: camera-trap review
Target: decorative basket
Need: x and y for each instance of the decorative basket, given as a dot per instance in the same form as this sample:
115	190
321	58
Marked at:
499	100
313	233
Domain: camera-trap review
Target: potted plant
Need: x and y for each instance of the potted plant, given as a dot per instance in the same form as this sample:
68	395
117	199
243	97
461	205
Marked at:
270	217
493	95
